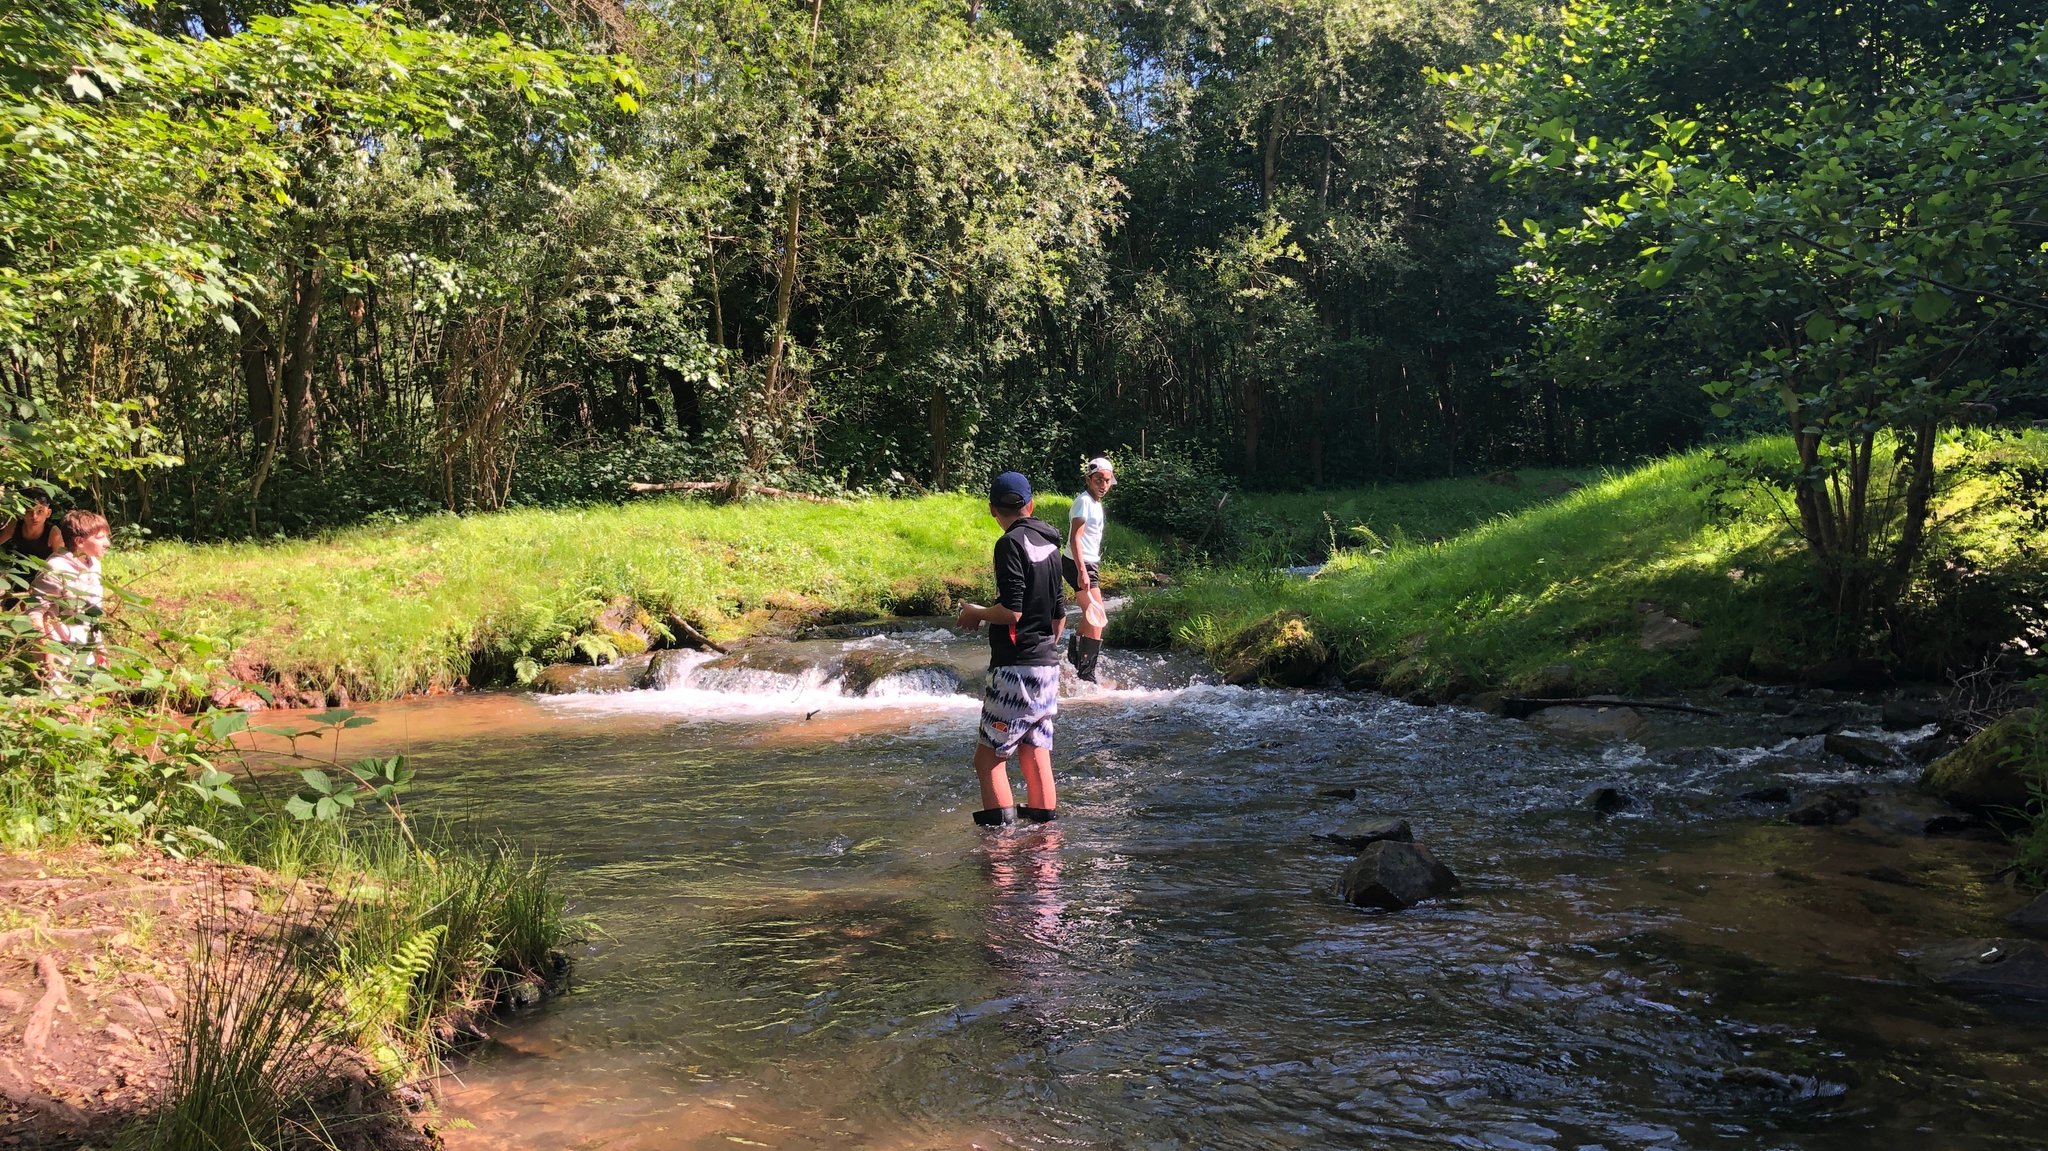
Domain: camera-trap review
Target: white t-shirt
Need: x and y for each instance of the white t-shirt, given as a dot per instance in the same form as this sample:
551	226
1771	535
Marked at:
69	593
1088	510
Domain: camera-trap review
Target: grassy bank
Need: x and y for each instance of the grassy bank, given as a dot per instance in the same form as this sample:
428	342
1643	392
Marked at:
384	611
240	974
1573	580
1308	527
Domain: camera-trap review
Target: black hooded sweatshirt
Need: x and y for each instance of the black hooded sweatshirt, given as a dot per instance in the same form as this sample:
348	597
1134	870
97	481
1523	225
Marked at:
1027	561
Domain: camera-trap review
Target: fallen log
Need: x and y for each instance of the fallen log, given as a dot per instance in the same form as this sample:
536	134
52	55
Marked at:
730	489
1522	707
690	635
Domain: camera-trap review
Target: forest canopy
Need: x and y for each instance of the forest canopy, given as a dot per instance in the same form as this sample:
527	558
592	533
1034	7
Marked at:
353	260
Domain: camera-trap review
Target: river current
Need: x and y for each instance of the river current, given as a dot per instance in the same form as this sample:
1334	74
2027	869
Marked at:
801	941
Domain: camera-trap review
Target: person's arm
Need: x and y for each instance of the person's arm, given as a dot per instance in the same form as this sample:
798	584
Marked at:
1009	605
1077	528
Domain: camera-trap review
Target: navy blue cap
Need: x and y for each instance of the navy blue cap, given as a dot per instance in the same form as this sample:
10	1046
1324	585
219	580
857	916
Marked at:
1010	490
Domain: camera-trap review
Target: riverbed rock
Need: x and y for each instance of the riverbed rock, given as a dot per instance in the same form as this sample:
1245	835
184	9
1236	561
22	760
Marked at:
1591	722
2031	919
1608	800
630	674
2010	969
1824	808
1987	774
1774	793
1360	836
864	669
1864	751
1394	876
1910	815
1280	649
1338	793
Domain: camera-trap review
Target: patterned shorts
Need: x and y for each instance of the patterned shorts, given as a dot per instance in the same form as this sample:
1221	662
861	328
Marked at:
1019	707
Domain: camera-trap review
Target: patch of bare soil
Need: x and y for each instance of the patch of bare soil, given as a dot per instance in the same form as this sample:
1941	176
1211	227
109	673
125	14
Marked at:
95	953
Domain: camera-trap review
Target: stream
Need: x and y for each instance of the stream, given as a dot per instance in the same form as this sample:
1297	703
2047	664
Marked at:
802	942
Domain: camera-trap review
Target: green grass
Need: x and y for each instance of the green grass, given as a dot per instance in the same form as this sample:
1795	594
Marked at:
383	611
1560	581
1309	526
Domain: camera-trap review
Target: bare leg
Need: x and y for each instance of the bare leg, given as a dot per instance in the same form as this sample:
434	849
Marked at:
1092	595
1037	764
995	776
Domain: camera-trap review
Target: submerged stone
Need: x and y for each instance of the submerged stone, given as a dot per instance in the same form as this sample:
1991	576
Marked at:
1823	808
1394	876
2031	919
1911	816
1360	836
1607	800
1992	968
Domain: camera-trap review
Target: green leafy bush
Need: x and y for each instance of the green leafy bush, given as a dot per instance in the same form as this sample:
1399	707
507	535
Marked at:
1180	494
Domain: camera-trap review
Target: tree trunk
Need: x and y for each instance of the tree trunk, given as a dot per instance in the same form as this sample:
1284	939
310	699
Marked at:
309	288
689	411
938	422
259	381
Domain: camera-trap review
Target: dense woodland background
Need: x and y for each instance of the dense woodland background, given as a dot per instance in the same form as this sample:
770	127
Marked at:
368	259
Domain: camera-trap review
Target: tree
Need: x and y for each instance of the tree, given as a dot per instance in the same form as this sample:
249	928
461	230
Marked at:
1863	261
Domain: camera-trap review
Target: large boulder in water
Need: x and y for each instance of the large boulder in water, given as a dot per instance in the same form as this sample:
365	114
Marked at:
1990	773
1864	751
628	674
1279	649
867	669
1392	876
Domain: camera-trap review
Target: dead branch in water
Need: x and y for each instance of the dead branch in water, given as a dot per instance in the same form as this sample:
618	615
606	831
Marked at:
688	631
730	490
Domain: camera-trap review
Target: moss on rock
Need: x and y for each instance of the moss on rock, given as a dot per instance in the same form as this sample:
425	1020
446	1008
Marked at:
1992	771
1279	649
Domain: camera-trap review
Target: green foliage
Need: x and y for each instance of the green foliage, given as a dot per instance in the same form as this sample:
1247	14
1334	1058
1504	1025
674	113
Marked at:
1851	257
1179	494
112	761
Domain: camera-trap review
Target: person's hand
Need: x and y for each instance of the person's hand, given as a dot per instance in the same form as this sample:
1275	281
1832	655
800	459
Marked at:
969	618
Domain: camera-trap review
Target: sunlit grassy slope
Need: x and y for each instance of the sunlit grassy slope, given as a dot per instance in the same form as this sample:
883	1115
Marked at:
1569	580
388	610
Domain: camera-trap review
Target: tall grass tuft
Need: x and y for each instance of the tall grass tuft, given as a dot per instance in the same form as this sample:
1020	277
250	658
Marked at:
252	1042
424	942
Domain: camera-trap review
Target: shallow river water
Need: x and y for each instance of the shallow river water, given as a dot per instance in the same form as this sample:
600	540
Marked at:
802	942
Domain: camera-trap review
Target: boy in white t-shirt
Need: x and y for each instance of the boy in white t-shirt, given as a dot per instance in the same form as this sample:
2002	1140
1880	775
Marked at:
1084	561
68	596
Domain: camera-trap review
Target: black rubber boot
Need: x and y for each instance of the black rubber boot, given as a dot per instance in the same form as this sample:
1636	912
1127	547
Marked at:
1039	814
995	816
1087	652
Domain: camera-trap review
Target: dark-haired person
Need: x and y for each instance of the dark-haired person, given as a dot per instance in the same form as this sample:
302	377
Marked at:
67	599
1025	622
1084	562
31	536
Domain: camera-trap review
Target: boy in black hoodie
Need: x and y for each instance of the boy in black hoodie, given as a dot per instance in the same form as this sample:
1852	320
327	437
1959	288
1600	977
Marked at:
1023	695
